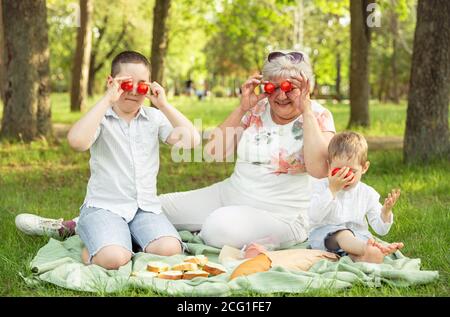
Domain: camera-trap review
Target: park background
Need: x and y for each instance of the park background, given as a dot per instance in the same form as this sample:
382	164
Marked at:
381	67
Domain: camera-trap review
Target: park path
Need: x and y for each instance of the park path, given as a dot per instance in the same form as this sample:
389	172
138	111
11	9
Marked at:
375	143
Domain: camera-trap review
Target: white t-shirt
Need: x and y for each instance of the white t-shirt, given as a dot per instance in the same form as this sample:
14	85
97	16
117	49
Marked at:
124	163
270	166
349	208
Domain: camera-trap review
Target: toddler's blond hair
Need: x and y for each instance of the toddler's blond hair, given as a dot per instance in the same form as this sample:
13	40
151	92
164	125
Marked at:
348	144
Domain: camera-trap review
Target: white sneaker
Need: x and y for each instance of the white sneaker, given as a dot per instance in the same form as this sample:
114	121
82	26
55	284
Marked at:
38	226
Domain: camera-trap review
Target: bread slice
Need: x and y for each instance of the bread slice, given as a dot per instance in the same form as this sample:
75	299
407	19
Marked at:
214	268
171	275
197	259
185	266
157	267
191	274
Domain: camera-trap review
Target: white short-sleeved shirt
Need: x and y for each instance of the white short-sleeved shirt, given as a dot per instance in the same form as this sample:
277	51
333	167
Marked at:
124	162
270	166
351	208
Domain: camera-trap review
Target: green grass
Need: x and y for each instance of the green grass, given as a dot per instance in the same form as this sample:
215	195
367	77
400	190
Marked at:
50	180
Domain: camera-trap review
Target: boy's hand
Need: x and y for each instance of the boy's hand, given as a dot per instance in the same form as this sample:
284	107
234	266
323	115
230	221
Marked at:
157	95
338	181
389	202
114	90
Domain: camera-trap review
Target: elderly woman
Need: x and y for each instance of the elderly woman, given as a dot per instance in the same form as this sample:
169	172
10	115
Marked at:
281	139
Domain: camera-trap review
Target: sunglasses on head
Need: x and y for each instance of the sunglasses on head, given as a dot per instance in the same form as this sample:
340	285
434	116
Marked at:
295	57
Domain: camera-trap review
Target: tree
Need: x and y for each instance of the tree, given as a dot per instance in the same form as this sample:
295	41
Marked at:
2	57
160	39
427	135
80	70
359	64
27	104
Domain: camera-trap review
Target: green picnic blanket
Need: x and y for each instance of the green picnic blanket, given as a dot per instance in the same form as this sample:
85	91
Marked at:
59	262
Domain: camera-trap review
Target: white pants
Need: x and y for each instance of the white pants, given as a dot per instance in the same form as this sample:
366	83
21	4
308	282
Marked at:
224	216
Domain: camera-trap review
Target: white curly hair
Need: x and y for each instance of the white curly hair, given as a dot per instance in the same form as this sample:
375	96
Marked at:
285	67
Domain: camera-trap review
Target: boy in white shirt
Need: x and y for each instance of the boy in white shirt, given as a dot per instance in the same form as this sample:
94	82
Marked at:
341	203
121	204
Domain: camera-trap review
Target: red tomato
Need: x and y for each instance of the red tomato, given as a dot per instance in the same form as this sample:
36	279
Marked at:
269	88
335	170
286	86
127	86
142	88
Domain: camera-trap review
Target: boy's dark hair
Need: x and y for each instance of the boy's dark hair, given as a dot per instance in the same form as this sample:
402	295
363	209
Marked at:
128	57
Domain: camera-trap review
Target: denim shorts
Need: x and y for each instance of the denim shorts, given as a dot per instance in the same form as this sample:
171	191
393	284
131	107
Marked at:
319	236
99	228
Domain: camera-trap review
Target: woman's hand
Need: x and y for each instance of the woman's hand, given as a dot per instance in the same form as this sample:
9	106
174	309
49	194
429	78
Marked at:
248	98
300	95
156	94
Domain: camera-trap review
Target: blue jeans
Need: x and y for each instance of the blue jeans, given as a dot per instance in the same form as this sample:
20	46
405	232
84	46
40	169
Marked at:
99	228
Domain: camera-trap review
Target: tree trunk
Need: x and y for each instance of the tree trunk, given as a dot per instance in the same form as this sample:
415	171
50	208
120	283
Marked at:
27	113
80	70
338	76
2	57
359	64
159	39
427	135
394	95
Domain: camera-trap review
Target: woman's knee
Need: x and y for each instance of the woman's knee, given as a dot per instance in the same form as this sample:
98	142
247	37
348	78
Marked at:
112	257
166	246
218	231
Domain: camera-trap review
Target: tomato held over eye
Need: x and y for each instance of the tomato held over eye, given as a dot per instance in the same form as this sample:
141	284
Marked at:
286	86
127	86
335	170
142	88
269	88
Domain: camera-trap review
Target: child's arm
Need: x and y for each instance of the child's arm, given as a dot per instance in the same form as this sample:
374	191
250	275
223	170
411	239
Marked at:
184	134
380	217
82	134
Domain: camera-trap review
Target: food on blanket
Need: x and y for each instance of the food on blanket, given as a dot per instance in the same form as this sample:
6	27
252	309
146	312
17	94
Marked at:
144	274
171	275
185	266
191	274
260	263
214	268
157	267
197	259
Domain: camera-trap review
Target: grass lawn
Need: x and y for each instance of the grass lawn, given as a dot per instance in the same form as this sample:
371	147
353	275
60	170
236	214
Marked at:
51	180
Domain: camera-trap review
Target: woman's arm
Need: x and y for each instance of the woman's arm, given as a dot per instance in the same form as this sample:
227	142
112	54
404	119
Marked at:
226	136
315	141
315	146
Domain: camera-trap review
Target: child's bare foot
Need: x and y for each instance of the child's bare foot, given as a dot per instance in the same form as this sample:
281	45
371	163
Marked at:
391	248
253	250
372	254
387	249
